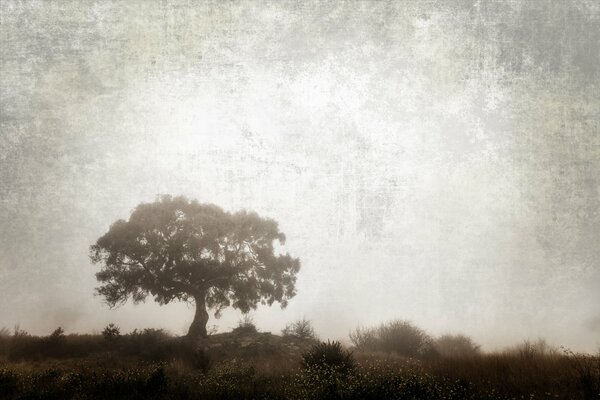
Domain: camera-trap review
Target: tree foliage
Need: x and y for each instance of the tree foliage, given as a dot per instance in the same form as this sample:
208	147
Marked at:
176	249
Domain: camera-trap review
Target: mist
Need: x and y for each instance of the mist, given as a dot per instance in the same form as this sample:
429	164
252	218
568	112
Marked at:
437	162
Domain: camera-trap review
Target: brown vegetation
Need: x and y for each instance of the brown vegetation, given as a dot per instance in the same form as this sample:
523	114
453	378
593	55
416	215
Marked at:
249	364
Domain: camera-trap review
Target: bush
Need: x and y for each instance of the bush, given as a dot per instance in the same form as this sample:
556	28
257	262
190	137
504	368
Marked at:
245	325
154	345
398	336
300	329
57	337
57	334
4	333
111	332
9	383
157	346
4	341
456	346
587	370
57	346
197	359
328	355
530	350
18	332
491	376
150	344
180	349
53	345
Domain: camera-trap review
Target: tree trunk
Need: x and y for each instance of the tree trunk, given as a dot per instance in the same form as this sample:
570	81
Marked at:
198	328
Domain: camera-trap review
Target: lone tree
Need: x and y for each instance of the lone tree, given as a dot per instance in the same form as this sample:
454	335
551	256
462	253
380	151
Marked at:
176	249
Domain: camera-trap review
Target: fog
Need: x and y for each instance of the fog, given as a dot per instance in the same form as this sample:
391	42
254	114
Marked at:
437	162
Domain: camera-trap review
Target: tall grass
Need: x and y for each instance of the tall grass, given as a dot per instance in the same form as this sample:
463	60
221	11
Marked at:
150	364
492	377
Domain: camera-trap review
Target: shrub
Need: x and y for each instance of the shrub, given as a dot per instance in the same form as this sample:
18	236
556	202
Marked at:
4	341
456	346
22	345
328	355
18	332
57	345
587	370
58	333
4	333
398	336
245	325
9	383
529	349
374	381
57	336
148	335
301	329
150	344
111	332
180	349
197	359
53	345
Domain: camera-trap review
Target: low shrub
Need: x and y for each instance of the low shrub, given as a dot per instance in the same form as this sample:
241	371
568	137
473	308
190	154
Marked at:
147	344
9	383
245	325
586	368
151	344
375	381
328	355
529	349
484	377
300	329
31	348
111	333
456	346
182	350
397	336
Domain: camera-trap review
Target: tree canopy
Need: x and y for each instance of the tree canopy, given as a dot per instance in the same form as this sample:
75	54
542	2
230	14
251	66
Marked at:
177	249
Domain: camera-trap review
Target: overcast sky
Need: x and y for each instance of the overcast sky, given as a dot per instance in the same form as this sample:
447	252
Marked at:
431	161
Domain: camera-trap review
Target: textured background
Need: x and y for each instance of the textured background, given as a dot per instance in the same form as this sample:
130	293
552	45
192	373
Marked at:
437	161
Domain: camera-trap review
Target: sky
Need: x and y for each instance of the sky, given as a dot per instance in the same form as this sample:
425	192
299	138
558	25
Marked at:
437	162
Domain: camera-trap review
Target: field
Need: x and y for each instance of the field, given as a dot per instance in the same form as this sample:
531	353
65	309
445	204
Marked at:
246	364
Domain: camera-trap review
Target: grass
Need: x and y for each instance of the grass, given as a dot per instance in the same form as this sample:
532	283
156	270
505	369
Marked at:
484	377
151	364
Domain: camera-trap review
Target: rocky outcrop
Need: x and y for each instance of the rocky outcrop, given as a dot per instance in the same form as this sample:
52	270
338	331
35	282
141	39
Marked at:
250	345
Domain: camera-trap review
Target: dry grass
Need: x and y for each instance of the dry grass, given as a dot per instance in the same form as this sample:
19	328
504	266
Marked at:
150	364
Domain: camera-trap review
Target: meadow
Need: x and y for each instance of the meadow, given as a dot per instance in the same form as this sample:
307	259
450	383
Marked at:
395	360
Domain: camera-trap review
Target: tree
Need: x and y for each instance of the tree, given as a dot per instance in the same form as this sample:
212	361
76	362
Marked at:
176	249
